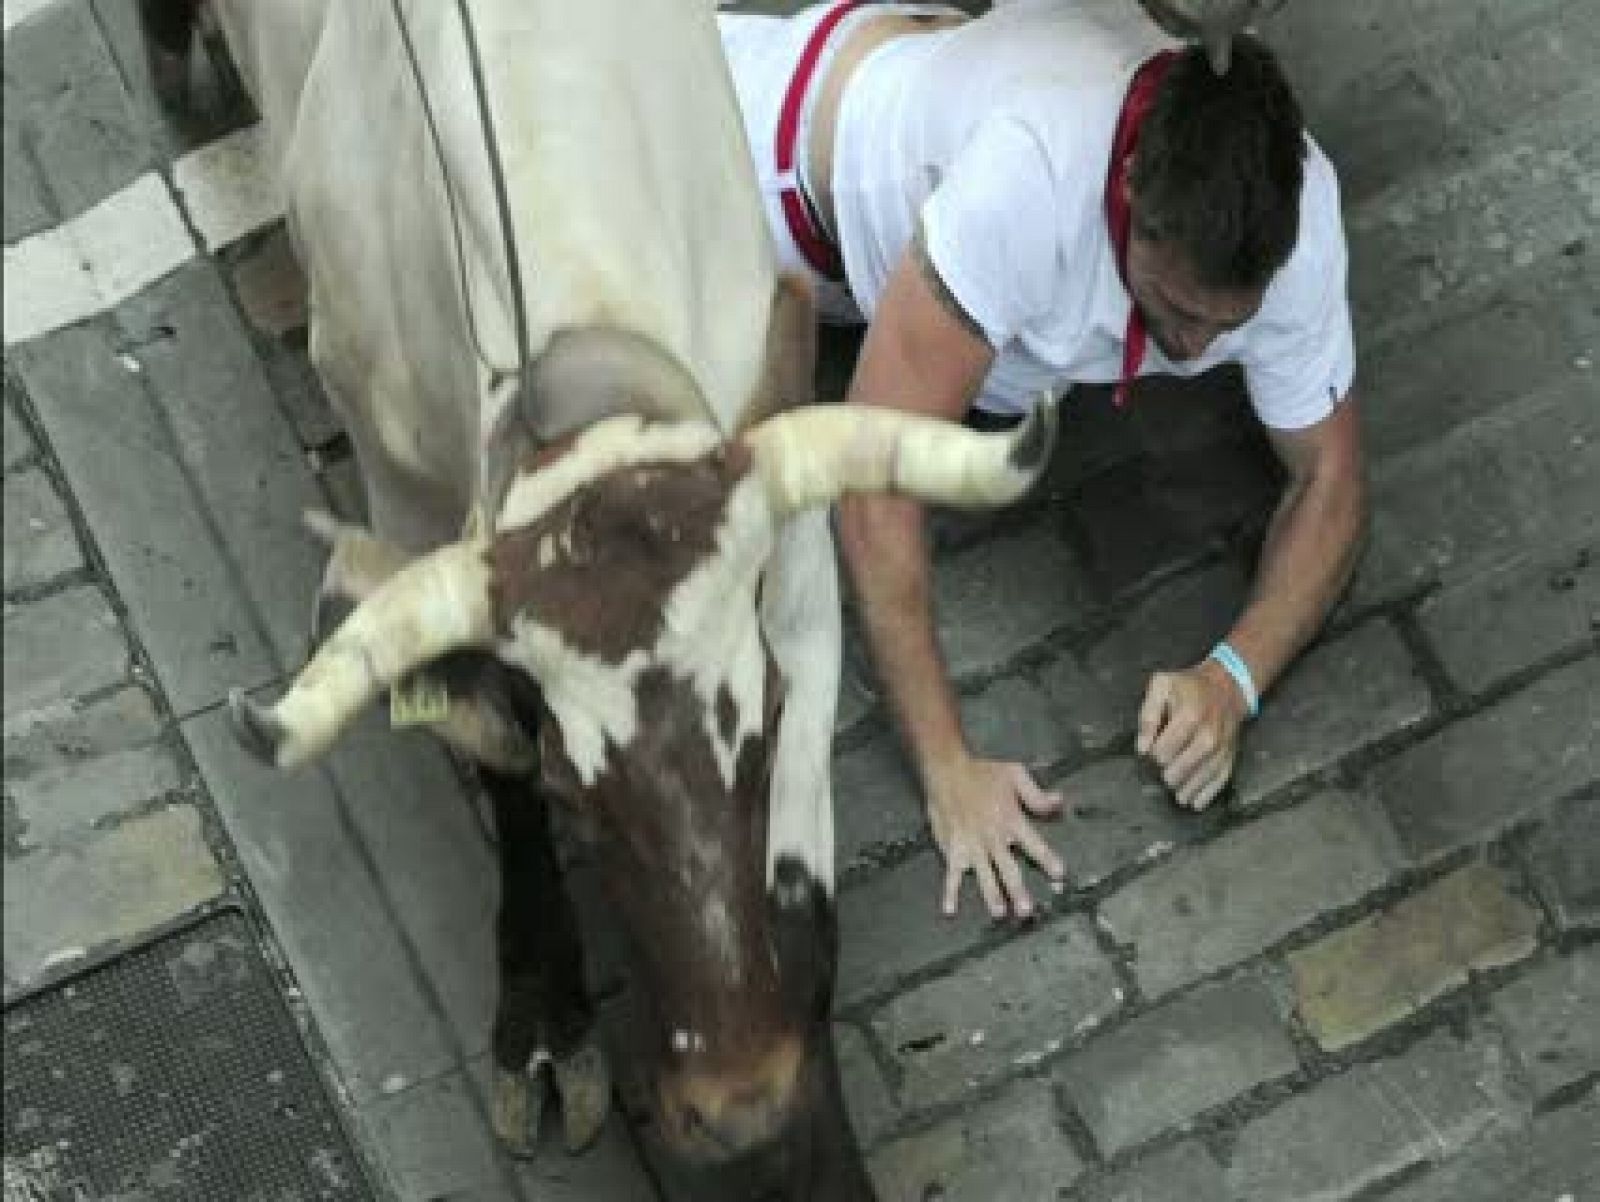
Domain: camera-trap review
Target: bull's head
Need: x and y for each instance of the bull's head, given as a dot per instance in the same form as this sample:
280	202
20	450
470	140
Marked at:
1213	23
623	574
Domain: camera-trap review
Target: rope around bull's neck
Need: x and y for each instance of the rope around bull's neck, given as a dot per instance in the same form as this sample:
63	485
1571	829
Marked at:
497	176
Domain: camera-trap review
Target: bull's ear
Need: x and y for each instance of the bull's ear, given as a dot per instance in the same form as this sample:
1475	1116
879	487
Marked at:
790	364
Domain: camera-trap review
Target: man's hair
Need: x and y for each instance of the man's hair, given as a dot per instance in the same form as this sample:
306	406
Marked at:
1219	166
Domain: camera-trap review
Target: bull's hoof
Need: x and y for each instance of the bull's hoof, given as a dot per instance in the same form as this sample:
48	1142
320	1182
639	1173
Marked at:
517	1110
584	1082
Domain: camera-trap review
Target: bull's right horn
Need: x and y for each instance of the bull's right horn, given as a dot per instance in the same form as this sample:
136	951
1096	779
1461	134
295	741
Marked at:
816	454
435	604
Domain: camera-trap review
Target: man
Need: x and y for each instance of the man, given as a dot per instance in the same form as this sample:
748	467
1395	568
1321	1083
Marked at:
990	193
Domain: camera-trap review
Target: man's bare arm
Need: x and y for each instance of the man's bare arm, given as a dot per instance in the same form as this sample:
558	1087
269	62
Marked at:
1189	722
925	354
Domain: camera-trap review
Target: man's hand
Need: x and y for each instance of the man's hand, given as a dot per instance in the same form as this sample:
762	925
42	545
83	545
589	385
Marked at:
979	812
1189	725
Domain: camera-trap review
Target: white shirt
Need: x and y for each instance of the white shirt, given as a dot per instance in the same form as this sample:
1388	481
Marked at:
995	136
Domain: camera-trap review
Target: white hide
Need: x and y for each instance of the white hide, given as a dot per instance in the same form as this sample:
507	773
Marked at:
634	205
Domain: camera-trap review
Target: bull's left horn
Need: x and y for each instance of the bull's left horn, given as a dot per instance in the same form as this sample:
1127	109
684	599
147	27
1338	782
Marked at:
814	455
435	604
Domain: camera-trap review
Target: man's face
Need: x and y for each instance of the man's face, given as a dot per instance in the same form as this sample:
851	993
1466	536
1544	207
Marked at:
1182	317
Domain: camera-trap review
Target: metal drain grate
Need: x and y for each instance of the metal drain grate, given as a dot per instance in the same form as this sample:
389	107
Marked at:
175	1073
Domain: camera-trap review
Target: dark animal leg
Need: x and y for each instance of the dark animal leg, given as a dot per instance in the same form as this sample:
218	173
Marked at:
543	1009
168	33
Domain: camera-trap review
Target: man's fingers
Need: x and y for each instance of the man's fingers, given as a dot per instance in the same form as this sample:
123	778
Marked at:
1193	763
1174	737
989	886
1042	854
1153	711
1213	786
1034	799
1016	888
954	871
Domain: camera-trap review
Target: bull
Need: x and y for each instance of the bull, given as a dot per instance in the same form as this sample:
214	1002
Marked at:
1213	23
543	302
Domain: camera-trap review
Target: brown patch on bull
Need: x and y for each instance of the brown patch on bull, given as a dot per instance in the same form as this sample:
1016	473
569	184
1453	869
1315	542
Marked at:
599	565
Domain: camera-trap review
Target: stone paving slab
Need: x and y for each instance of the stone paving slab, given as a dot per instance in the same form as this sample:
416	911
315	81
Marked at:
61	647
1237	896
1185	1172
1118	814
890	928
1343	695
316	884
164	553
58	803
40	544
74	731
1168	1066
1007	1009
1355	1130
64	92
1550	1016
1474	778
1010	1150
18	443
1371	975
433	1143
1526	613
1002	597
66	902
1556	1158
872	1110
1564	858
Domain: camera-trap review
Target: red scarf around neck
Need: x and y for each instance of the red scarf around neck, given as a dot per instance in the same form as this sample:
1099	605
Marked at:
1135	107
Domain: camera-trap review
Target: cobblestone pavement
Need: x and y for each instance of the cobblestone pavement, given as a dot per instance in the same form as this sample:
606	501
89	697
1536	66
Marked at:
1373	973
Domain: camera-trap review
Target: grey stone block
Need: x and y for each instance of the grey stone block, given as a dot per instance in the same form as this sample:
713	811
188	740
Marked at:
239	449
1013	719
1342	696
1000	598
58	648
411	814
890	927
1556	1158
165	557
1524	339
1005	1010
28	208
1172	628
18	442
1396	90
1171	1065
1357	1129
1118	813
1182	1173
1444	237
1010	1150
1479	775
877	801
1493	626
866	1093
1488	493
63	903
1083	708
1550	1014
1564	857
1230	899
432	1142
60	803
40	543
74	731
62	87
315	883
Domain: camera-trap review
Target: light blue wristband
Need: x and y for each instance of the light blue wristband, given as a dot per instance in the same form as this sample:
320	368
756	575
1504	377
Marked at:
1233	664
